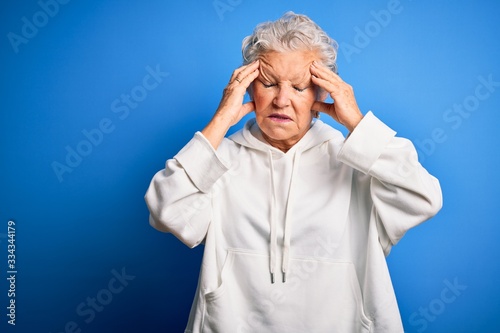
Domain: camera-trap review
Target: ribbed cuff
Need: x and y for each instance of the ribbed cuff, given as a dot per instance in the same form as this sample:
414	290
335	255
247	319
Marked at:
201	162
365	144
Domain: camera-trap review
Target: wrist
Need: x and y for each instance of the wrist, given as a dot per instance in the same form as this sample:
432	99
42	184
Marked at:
351	125
216	129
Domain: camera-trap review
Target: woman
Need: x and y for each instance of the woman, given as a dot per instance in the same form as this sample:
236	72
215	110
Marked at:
296	219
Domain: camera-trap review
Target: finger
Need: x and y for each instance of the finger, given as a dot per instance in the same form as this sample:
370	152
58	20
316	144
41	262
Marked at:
325	78
327	108
234	93
327	85
324	72
322	107
246	71
248	107
250	78
240	73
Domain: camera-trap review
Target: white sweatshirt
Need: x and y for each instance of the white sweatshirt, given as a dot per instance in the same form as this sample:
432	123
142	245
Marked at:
296	241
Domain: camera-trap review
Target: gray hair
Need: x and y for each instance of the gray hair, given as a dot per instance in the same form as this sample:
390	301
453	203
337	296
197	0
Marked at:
291	32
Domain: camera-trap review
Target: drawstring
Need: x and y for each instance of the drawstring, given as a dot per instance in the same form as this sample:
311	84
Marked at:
288	213
273	239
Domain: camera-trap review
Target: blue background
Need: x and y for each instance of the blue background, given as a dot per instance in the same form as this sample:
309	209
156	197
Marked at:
72	231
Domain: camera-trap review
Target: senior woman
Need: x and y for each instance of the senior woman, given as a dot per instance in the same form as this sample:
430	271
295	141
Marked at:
296	220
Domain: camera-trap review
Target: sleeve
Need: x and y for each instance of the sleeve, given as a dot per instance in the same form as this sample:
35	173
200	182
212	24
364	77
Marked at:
404	194
179	196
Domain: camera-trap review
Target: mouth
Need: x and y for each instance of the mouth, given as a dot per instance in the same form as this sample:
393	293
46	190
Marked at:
281	118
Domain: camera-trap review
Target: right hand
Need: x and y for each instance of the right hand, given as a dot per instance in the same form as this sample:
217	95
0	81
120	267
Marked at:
231	108
231	105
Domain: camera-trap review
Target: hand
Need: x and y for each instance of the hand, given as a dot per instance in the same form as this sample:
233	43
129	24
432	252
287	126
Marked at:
231	105
344	108
231	108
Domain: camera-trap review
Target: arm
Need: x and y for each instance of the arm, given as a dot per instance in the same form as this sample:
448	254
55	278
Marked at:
179	196
404	194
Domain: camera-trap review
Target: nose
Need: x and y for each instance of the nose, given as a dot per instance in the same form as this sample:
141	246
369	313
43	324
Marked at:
282	98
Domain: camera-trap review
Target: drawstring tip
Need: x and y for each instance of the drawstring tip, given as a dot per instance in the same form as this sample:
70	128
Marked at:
284	277
272	277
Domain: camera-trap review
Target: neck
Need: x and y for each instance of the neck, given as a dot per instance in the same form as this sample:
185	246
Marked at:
283	145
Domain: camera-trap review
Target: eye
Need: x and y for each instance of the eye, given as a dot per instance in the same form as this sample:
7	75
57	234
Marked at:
299	89
268	85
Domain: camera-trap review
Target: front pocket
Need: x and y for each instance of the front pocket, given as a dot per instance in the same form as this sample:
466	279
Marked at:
319	296
212	296
226	305
328	294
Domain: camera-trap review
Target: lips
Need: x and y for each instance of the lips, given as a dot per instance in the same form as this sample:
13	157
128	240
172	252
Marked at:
280	117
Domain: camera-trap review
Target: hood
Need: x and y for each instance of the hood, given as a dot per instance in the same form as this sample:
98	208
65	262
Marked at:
250	136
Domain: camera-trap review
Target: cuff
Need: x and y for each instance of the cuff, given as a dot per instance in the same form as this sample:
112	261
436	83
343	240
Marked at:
201	163
365	144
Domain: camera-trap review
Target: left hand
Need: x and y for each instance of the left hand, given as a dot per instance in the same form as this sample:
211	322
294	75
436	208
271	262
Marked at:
344	108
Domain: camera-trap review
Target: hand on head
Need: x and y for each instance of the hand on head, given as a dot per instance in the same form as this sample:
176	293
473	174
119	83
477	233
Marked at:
344	108
231	105
231	110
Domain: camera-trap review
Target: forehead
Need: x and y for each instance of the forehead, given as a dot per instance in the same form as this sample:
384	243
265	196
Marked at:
292	65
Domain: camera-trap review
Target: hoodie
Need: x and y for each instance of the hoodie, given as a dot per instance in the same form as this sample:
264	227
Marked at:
295	241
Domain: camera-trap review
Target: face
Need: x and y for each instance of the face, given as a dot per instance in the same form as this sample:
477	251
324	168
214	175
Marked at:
284	95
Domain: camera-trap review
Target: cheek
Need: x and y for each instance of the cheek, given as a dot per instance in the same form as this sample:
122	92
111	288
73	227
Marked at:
261	98
305	103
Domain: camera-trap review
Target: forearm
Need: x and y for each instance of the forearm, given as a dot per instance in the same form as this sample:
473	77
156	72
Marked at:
404	194
178	196
216	130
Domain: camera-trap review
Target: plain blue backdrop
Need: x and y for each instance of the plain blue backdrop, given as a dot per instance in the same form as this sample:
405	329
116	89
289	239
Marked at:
96	95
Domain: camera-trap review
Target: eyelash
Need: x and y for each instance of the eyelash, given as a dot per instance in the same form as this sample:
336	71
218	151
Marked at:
272	85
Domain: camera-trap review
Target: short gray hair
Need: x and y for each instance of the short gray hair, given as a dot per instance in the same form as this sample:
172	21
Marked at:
291	32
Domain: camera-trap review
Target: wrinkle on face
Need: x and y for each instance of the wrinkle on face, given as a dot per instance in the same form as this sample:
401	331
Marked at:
295	74
284	87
